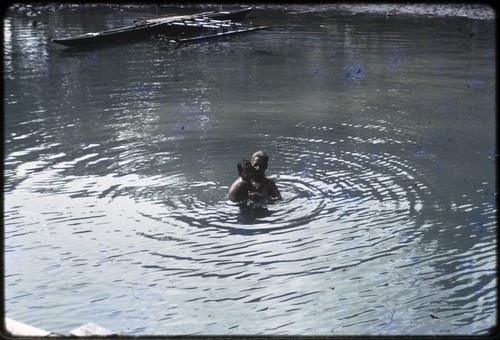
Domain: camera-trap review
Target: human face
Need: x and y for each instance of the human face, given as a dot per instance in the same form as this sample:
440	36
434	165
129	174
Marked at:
259	164
247	174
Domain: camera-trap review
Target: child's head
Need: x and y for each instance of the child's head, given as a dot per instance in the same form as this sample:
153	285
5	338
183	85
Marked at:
245	170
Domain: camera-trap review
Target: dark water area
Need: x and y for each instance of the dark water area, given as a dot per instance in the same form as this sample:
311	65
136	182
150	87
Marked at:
117	161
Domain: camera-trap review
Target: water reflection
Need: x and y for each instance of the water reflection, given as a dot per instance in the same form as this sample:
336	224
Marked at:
117	170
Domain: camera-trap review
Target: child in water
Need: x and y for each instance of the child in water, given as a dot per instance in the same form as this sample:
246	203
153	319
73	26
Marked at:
238	192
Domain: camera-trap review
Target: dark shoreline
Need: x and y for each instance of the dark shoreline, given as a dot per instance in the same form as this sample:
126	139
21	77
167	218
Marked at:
471	11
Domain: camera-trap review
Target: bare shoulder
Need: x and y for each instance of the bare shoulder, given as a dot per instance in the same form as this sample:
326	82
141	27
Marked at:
270	183
271	189
239	190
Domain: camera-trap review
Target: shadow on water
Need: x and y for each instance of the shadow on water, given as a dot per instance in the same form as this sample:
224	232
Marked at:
252	218
250	215
253	213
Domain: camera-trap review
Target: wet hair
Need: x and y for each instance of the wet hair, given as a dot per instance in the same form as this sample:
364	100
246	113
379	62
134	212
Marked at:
261	154
244	164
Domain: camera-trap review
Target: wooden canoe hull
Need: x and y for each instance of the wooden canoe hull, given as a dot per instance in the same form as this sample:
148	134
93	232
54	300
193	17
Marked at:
146	29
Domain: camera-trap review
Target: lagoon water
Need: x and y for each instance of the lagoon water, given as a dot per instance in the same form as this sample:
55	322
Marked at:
117	161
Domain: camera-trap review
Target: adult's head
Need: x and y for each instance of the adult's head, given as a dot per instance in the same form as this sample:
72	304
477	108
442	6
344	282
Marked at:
259	163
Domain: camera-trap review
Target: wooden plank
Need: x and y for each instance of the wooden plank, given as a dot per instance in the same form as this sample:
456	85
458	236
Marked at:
17	328
177	17
91	329
217	35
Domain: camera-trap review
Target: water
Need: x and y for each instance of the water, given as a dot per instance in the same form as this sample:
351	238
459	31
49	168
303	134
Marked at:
117	162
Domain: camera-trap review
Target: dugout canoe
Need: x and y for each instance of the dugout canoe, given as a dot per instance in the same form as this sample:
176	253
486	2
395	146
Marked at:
144	29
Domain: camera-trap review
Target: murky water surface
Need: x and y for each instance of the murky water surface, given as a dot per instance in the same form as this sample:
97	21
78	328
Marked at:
117	162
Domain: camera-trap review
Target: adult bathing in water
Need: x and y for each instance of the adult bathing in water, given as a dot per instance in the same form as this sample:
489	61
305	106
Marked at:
255	182
263	187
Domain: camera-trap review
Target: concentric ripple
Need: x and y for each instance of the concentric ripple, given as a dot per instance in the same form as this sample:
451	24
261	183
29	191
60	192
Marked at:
117	172
342	186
